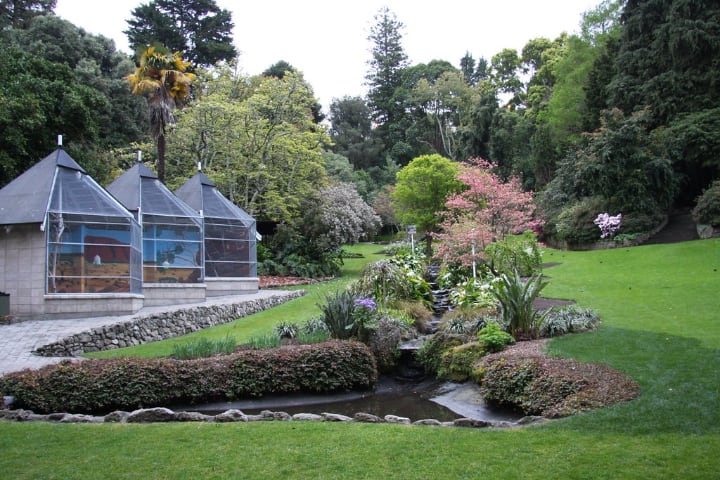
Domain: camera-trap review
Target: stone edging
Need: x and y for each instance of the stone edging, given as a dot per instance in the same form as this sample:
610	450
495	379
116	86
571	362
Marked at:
160	326
164	415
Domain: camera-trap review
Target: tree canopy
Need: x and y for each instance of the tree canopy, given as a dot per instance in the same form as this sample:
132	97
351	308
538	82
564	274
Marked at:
199	29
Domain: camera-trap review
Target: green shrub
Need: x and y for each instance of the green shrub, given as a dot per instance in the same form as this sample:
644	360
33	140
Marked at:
572	319
416	313
430	354
384	342
707	208
467	319
456	364
515	253
524	384
102	385
516	297
493	338
575	222
204	347
262	342
474	292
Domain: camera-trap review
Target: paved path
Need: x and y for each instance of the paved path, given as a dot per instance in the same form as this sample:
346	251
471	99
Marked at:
18	340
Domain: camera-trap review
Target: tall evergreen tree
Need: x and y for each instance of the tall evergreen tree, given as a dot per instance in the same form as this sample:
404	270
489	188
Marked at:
19	13
384	79
198	28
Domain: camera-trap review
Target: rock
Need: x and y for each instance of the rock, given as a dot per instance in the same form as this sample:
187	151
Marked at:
151	415
55	417
192	417
232	415
270	415
308	417
396	419
429	421
471	423
80	418
117	416
334	417
367	418
532	420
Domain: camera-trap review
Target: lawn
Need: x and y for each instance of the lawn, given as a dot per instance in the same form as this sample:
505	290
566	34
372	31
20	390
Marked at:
299	311
661	325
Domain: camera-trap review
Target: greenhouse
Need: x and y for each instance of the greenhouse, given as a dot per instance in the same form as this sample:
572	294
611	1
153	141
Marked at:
66	240
171	230
229	237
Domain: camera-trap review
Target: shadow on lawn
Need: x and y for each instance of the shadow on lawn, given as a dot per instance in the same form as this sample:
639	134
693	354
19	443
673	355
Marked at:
679	378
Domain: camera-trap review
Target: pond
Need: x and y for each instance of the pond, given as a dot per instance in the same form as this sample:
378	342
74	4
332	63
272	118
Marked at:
416	400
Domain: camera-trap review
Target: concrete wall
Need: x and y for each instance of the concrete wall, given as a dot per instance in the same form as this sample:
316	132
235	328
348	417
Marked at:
164	294
22	268
219	287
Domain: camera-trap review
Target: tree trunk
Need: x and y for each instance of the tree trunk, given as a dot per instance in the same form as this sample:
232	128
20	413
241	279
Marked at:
161	157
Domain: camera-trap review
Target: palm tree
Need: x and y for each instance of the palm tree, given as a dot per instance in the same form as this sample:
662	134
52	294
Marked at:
163	79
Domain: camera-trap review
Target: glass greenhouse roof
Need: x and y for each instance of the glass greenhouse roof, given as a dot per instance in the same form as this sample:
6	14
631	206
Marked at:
201	194
140	188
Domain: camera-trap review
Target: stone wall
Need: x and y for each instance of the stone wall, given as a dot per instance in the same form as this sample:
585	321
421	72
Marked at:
159	326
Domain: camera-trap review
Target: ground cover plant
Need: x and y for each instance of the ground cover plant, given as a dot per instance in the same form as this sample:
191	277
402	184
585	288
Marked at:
659	308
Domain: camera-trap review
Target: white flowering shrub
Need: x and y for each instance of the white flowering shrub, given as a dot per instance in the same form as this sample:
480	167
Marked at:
343	216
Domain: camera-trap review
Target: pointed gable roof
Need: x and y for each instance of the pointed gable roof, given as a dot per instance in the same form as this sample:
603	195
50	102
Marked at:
25	199
201	194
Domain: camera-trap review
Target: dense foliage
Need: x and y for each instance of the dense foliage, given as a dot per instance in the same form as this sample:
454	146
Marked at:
105	385
199	28
621	117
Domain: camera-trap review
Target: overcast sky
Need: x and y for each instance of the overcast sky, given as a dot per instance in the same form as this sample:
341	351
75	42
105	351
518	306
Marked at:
327	39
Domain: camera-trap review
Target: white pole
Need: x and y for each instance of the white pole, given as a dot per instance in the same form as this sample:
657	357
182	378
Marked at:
59	141
473	255
139	156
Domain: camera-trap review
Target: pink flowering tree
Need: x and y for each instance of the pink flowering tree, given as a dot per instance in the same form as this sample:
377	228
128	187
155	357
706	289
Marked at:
486	211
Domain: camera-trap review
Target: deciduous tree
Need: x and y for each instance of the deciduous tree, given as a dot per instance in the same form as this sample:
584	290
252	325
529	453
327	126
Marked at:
422	188
486	210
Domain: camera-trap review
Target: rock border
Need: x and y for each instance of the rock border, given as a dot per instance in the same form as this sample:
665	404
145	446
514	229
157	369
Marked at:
160	326
164	415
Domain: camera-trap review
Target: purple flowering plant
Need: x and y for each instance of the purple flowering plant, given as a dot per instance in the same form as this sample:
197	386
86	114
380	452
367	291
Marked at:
364	317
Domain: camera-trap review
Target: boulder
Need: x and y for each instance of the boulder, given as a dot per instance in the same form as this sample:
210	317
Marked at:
308	417
471	423
232	415
429	421
117	416
396	419
151	415
363	417
334	417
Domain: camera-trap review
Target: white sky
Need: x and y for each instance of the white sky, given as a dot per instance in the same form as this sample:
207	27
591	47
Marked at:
327	39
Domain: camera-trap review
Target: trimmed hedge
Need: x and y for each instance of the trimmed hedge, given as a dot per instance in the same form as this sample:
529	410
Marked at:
104	385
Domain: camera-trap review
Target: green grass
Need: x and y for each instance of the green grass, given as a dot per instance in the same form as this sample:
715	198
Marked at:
261	324
661	324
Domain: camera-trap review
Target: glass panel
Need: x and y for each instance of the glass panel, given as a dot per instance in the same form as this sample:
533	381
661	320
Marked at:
89	258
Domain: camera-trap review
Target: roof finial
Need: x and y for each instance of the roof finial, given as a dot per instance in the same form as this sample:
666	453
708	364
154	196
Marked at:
199	166
59	140
139	156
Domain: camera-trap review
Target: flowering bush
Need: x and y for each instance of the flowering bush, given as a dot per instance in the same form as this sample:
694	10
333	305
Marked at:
608	225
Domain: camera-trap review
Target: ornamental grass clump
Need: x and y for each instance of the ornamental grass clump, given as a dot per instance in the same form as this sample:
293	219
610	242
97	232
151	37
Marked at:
516	297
